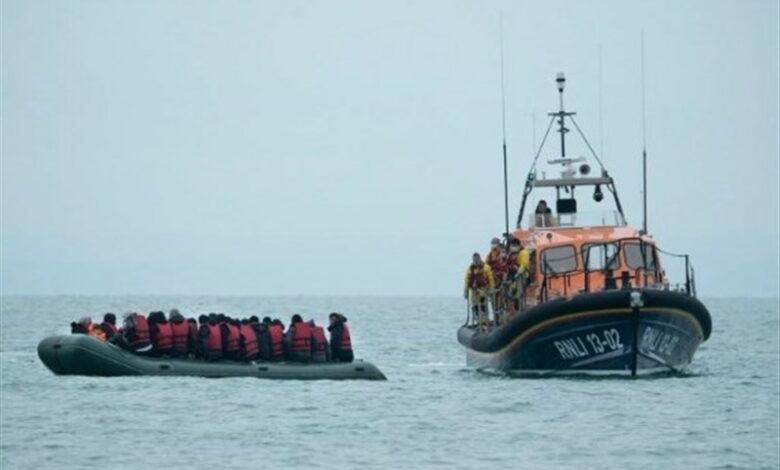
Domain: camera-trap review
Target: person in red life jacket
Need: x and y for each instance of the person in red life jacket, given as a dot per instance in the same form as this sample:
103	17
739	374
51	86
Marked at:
180	334
496	259
320	351
210	338
248	341
276	334
109	325
231	338
263	337
297	340
161	334
340	340
134	335
478	285
192	336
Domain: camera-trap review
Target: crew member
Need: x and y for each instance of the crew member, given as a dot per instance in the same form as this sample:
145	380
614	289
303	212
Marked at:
340	340
543	215
477	285
319	343
298	340
518	267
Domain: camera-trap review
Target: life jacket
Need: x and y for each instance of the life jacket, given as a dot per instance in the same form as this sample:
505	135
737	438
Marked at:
301	341
180	336
319	345
141	332
248	343
232	342
110	329
496	260
214	342
477	277
163	340
346	341
277	342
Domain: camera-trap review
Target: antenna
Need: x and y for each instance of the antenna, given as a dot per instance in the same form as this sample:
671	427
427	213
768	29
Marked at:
644	142
601	109
503	127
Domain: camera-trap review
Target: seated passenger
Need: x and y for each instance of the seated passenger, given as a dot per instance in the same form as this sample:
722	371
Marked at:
297	340
248	340
109	325
82	326
180	334
340	341
160	334
276	334
231	338
192	337
97	332
263	337
319	344
198	347
210	339
134	335
543	215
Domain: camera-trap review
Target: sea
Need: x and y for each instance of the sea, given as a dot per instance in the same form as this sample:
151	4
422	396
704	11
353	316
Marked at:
432	412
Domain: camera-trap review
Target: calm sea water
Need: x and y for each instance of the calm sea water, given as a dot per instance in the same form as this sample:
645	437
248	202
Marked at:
432	412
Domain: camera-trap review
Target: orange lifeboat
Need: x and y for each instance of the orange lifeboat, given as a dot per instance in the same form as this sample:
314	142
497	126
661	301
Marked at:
596	298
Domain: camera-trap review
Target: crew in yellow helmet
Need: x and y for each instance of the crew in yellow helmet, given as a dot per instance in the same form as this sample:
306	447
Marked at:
518	265
476	287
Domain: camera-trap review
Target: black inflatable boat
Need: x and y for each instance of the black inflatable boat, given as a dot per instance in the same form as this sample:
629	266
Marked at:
84	355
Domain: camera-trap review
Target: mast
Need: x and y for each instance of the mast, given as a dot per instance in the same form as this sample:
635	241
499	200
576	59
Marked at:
503	129
560	80
644	143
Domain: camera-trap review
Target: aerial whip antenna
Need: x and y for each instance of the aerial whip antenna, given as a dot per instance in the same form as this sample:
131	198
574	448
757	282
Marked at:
644	142
503	128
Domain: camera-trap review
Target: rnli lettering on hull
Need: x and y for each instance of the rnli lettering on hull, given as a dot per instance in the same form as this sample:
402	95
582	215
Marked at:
657	341
594	343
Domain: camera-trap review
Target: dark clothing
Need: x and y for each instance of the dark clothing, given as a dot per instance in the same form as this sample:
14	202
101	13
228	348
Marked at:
135	334
110	329
263	340
297	342
340	343
231	341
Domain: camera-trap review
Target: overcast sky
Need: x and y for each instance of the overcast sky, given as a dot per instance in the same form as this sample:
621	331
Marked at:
292	147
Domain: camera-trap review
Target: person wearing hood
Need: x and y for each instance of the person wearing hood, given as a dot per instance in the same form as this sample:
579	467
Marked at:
263	337
160	333
109	325
340	340
210	339
134	335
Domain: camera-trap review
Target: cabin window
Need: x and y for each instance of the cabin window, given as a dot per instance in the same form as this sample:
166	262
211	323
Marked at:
634	255
559	260
600	256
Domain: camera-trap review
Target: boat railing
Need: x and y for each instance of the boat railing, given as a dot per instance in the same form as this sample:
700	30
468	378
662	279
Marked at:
607	218
648	273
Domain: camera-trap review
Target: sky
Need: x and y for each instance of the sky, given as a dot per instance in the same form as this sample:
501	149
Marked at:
354	148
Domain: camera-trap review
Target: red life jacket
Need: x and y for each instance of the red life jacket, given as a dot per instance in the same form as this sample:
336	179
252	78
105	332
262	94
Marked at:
301	342
346	342
141	336
496	261
109	329
164	338
477	278
181	333
319	345
214	343
248	342
232	343
277	341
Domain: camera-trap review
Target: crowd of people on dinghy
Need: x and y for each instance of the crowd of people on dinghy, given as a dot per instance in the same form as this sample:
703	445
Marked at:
215	337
